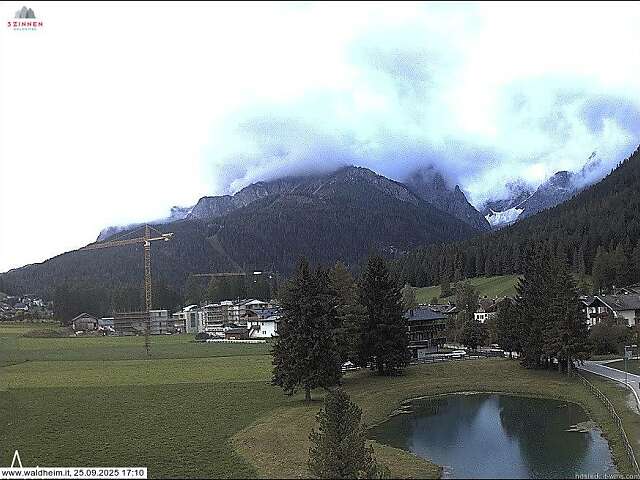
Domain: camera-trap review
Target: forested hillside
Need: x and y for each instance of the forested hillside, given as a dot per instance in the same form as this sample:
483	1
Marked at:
343	216
597	231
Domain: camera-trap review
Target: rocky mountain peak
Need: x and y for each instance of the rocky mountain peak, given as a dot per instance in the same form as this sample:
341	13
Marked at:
430	185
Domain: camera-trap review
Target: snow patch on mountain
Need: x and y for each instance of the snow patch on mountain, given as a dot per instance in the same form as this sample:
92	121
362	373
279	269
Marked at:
506	217
520	203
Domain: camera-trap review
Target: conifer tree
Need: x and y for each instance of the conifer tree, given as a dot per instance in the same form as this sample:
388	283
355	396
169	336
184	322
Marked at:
603	271
383	334
445	288
621	267
635	264
565	335
408	297
467	304
348	312
473	334
338	447
304	353
533	294
507	327
467	299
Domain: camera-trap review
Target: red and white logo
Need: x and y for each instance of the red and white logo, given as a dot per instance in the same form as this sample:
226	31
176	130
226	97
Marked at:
25	19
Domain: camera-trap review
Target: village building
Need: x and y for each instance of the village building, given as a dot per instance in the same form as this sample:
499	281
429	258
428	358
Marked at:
236	333
625	309
105	325
189	320
426	331
592	310
215	315
159	323
487	309
438	307
237	311
263	323
84	322
135	323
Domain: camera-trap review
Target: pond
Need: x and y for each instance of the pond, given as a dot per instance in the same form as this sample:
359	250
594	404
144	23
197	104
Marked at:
500	436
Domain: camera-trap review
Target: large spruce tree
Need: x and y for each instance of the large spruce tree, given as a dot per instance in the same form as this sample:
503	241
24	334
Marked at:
305	353
473	334
507	327
348	312
383	333
338	448
551	325
533	301
408	297
635	263
467	304
565	334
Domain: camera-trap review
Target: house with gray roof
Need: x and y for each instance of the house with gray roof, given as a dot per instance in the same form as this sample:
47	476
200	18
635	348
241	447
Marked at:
624	308
426	330
84	321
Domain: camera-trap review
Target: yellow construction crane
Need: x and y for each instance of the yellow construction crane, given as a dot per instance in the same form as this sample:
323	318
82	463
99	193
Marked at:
223	274
231	274
146	242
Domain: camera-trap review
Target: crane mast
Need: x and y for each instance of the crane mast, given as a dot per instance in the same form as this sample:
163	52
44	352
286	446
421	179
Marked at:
147	268
146	240
147	287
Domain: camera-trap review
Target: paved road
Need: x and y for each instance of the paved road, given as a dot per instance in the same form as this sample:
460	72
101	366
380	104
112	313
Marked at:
599	368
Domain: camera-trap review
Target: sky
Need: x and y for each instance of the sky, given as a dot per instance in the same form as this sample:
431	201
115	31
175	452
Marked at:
112	113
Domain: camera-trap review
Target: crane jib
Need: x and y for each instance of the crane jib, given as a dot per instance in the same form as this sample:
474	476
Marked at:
146	242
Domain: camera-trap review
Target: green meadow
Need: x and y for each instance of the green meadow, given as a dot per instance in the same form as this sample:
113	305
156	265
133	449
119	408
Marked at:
496	286
15	348
99	401
209	411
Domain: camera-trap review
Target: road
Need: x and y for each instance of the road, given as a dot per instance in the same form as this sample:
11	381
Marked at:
599	368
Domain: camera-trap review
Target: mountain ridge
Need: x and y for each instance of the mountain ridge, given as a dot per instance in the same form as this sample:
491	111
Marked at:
451	201
600	218
521	202
429	184
339	216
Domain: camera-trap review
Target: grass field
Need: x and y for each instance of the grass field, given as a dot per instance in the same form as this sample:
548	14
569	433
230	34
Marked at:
280	434
15	348
97	401
633	365
497	286
212	413
21	328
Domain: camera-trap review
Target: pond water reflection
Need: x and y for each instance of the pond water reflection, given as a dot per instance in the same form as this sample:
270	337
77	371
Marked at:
500	436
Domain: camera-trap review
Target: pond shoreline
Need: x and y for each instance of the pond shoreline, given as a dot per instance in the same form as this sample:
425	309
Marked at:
277	445
580	419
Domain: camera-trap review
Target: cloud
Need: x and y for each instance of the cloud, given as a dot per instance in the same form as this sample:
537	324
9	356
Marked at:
419	98
602	108
202	99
